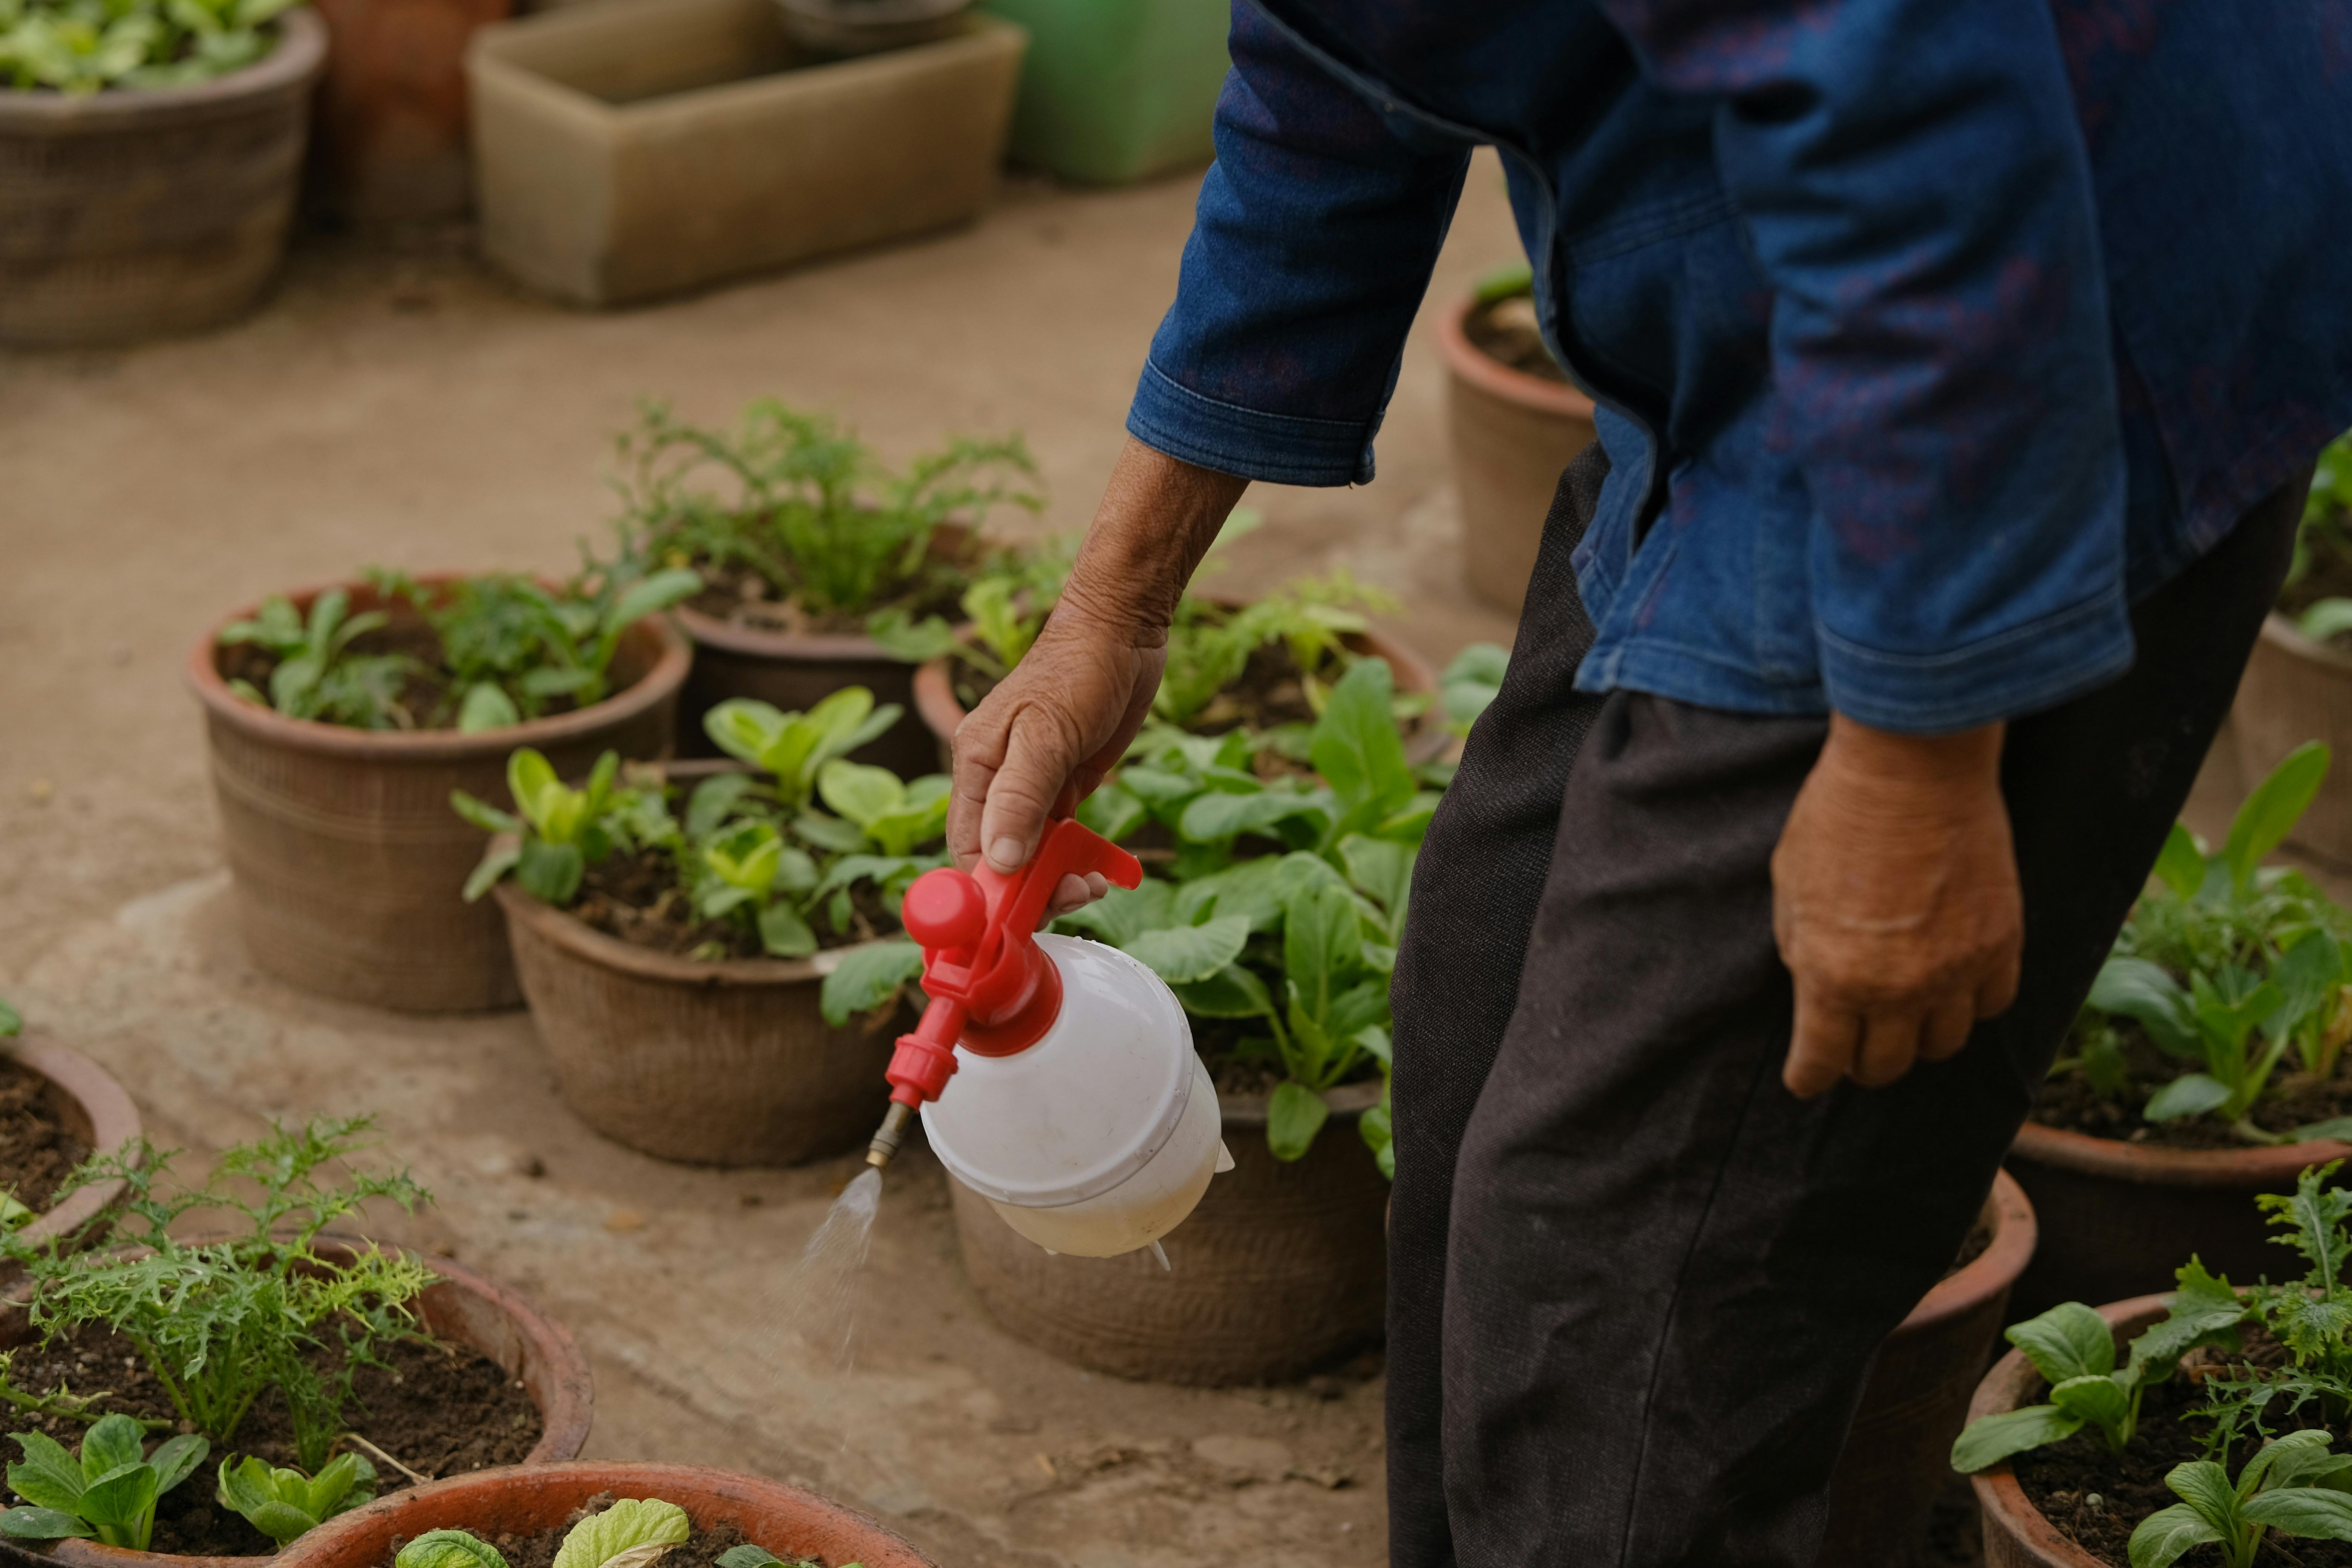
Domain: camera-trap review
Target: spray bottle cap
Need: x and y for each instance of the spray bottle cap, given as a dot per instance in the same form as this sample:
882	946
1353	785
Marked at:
992	989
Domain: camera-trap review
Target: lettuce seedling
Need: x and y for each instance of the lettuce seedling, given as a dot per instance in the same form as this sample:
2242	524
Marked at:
2075	1351
2295	1486
1471	683
284	1503
318	677
221	1323
108	1493
632	1533
562	831
449	1549
750	1556
794	748
1006	605
86	46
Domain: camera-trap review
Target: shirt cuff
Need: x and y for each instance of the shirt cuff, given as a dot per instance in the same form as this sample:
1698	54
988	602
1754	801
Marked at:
2020	672
1249	443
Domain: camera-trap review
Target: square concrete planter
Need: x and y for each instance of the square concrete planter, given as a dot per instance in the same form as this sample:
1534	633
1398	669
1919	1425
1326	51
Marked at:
634	147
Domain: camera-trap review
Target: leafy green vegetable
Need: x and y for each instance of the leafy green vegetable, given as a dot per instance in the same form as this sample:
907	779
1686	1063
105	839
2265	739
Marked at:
84	45
807	510
796	747
1208	646
108	1493
631	1533
11	1023
318	675
220	1324
2294	1484
868	977
284	1503
1006	604
449	1549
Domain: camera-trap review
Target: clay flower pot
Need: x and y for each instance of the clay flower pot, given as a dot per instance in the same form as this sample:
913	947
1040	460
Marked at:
727	1063
95	1109
1899	1452
2295	690
1512	434
1283	1268
128	214
795	671
527	1499
2119	1218
2016	1535
1424	738
464	1308
392	110
347	858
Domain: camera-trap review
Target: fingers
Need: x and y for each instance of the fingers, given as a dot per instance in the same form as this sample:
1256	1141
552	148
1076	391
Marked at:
1040	753
1076	892
1998	988
1947	1028
1820	1046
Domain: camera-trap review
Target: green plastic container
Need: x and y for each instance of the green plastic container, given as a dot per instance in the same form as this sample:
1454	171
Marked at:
1113	91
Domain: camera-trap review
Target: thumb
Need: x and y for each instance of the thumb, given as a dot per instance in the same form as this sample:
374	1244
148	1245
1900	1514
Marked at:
1041	752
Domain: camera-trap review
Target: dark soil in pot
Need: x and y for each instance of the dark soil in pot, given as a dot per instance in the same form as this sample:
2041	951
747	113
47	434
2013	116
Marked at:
440	1410
2062	1478
425	699
537	1549
637	897
742	597
1505	330
36	1148
2294	1100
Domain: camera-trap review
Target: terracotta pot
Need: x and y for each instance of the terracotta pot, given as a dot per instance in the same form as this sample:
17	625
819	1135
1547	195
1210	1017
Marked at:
95	1109
1512	435
2119	1218
714	1064
1899	1452
785	1520
1282	1268
795	671
128	214
1425	737
2016	1535
392	110
347	858
465	1308
2295	690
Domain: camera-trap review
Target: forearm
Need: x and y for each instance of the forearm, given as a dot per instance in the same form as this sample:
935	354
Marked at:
1158	518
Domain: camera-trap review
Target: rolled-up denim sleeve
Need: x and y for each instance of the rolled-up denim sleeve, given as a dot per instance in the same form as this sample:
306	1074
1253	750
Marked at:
1312	246
1915	184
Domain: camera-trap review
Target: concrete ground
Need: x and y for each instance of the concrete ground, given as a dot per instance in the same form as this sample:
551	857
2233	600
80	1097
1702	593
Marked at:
397	403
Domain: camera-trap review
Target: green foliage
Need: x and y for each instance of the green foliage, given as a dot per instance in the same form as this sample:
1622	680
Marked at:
220	1322
796	747
1470	682
1295	945
511	646
449	1549
1504	281
631	1533
284	1503
78	46
318	675
2294	1485
2227	967
11	1023
807	507
1006	604
2325	534
108	1493
1208	646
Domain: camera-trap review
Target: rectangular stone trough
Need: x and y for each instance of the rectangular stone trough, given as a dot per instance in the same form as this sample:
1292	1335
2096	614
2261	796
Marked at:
635	147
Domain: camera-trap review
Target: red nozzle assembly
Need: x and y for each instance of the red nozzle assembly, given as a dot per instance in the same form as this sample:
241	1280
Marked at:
992	989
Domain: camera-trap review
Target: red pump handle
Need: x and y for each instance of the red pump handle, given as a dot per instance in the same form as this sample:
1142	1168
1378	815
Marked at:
992	986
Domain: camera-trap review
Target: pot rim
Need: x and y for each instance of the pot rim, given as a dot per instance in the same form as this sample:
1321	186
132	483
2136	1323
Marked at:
1492	376
2281	633
1998	1493
1990	1272
299	56
113	1120
589	945
2146	1165
593	1476
268	727
564	1421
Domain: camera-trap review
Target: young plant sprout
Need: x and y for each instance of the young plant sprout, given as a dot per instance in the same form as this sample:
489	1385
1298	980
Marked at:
87	46
2294	1484
633	1533
283	1503
107	1493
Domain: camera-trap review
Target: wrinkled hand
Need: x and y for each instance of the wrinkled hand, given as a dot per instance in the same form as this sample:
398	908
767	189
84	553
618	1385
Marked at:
1045	739
1894	902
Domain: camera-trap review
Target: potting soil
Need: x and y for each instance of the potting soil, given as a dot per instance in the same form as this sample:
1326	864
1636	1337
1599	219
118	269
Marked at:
699	1550
438	1409
636	896
1505	331
743	597
2294	1100
36	1149
2064	1479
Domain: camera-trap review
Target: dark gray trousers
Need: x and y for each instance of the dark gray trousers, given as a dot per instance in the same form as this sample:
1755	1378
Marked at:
1635	1285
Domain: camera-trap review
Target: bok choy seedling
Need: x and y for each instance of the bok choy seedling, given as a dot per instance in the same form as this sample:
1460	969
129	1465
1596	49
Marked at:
283	1503
2294	1484
108	1493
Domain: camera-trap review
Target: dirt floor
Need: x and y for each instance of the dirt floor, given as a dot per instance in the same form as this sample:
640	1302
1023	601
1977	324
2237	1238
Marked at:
398	403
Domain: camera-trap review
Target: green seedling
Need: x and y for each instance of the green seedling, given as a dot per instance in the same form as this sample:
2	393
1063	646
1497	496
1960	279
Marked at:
284	1503
108	1493
562	831
1006	605
2295	1486
80	46
794	748
896	816
632	1533
449	1549
318	675
11	1023
1471	683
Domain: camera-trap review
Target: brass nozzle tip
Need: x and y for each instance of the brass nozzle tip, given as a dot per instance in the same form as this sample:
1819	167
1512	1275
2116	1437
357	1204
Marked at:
888	1138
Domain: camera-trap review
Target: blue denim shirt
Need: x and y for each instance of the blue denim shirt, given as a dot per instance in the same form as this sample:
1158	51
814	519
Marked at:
1926	334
